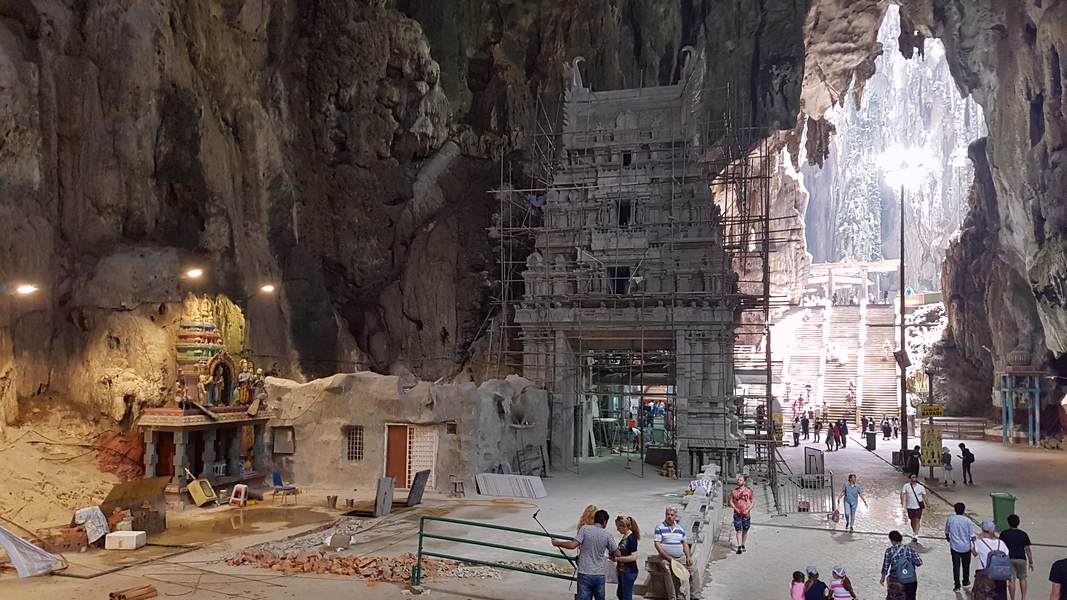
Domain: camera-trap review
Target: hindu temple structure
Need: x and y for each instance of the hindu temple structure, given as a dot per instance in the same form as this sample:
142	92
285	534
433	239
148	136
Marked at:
629	293
215	427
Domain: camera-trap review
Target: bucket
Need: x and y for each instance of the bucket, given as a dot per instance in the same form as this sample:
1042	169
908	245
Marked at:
331	501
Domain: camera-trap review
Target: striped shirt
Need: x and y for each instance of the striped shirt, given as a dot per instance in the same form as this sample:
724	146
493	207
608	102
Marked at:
672	538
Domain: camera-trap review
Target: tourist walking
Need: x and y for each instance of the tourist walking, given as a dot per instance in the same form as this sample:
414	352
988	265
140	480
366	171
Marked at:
594	545
898	569
1022	558
896	427
959	532
626	557
669	540
796	586
843	429
830	435
818	429
987	548
841	585
1058	576
887	429
913	499
805	424
796	431
912	463
967	458
851	494
813	588
741	502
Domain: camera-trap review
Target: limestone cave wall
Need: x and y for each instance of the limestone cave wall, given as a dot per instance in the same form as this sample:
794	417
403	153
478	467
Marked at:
1004	274
339	149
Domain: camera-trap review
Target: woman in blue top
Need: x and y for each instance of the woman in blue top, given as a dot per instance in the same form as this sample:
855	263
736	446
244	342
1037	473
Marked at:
851	493
626	559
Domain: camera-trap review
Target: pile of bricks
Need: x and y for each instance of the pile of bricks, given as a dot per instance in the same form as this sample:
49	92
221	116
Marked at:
376	568
64	539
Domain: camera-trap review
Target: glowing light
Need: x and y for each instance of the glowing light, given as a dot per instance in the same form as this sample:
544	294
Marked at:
906	166
267	289
25	289
194	273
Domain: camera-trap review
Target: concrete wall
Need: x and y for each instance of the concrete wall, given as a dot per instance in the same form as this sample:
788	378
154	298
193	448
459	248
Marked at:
492	422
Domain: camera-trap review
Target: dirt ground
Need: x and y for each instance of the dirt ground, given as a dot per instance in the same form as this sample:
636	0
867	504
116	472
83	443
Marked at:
48	469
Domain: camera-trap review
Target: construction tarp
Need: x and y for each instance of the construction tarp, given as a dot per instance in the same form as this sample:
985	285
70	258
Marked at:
29	560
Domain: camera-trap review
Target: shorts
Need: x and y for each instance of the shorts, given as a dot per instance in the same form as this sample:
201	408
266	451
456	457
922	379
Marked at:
742	523
915	513
1018	568
948	468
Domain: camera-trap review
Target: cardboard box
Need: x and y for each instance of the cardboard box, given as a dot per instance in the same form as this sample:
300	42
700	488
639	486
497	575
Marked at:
125	540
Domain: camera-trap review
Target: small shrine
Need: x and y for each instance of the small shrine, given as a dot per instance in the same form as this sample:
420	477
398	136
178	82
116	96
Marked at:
1019	389
215	426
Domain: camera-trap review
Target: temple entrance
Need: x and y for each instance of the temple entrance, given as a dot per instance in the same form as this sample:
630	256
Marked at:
627	406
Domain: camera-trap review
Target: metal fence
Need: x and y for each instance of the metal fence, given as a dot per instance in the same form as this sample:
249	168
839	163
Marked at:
416	572
806	493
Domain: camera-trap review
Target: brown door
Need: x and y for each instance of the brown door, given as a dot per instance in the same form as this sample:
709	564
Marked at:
396	454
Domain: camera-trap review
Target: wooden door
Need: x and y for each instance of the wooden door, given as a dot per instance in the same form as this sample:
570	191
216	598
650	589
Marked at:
396	454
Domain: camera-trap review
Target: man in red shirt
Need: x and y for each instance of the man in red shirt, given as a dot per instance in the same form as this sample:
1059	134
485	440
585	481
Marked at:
741	502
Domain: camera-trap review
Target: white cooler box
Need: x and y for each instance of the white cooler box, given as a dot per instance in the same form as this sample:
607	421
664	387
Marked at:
125	540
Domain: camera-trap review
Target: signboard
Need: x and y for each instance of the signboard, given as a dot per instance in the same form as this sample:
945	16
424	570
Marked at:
930	446
931	410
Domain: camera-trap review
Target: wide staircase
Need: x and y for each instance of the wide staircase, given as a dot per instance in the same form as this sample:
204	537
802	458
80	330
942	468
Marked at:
802	366
844	339
881	395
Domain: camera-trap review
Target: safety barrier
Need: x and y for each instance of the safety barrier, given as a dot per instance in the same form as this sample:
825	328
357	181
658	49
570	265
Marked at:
416	572
806	493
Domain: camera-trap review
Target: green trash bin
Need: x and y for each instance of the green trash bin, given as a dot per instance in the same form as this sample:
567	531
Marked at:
1003	505
872	438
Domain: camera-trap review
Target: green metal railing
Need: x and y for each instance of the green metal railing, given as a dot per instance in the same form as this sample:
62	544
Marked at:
416	572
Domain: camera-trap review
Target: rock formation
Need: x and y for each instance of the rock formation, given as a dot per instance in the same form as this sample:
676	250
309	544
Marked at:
341	150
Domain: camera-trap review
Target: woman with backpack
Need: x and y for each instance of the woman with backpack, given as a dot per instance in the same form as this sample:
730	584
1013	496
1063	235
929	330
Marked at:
898	569
994	567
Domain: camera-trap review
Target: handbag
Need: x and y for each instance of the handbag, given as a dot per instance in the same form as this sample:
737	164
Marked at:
922	504
998	565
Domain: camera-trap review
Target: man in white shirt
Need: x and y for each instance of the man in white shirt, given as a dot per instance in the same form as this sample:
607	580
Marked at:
913	499
982	546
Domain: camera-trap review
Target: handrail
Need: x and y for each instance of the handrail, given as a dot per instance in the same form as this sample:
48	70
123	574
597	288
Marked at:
416	571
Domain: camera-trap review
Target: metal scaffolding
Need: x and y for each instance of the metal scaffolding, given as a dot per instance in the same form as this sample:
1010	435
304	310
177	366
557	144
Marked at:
644	191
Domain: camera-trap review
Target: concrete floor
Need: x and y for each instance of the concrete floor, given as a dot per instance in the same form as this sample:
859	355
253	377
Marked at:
202	573
780	545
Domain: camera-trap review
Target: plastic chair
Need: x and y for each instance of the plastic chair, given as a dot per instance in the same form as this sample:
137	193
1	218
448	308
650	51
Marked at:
282	488
239	495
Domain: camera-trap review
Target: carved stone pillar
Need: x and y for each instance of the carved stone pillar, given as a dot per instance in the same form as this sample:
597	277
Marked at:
151	453
208	456
181	457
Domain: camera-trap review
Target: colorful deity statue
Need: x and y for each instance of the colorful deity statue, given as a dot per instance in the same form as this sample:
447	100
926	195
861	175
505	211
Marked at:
204	384
242	393
181	395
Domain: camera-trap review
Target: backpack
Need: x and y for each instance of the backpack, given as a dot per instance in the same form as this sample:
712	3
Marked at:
998	565
968	456
903	568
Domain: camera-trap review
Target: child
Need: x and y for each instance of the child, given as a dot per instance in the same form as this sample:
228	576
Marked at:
841	585
796	587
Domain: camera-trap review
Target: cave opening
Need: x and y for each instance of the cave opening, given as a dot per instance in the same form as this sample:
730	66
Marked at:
910	129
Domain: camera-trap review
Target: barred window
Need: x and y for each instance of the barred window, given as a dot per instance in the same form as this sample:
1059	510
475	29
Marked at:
354	442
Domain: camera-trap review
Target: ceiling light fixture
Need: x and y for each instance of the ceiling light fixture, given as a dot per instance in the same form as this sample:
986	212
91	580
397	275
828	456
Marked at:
267	288
194	273
25	289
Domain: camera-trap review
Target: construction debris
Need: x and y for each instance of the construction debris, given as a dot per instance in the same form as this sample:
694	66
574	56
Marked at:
376	568
138	593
